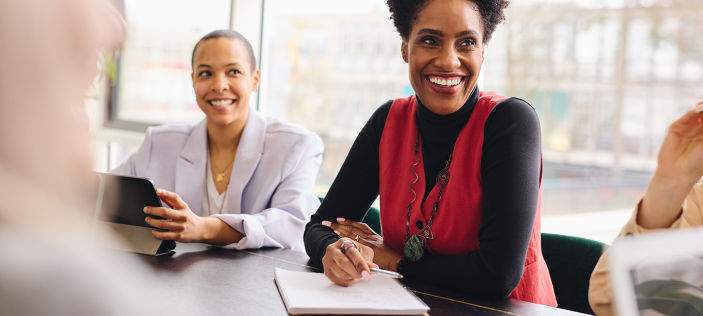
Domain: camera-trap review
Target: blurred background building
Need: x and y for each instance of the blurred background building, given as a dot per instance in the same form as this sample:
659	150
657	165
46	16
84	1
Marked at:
606	78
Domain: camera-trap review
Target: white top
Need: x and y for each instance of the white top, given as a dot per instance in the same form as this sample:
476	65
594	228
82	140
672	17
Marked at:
212	200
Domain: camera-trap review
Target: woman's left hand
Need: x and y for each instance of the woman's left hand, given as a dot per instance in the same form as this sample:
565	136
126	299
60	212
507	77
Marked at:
182	224
384	256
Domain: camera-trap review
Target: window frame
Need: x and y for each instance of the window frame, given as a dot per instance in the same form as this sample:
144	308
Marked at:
242	14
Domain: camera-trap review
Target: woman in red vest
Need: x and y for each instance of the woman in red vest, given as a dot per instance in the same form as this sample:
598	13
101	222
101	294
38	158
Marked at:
458	171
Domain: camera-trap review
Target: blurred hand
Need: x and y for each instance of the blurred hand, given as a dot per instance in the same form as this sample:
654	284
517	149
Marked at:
348	268
679	167
385	256
681	153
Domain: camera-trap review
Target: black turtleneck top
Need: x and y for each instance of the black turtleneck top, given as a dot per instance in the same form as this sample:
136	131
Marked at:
510	169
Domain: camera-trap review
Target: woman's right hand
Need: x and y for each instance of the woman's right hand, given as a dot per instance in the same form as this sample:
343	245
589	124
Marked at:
681	153
348	268
679	167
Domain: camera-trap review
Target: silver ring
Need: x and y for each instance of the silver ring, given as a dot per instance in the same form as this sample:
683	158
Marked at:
346	245
357	238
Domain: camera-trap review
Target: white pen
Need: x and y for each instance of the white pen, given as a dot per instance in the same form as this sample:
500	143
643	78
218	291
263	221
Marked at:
386	272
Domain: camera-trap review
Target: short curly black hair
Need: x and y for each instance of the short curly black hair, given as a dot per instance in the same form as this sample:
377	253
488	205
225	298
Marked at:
404	14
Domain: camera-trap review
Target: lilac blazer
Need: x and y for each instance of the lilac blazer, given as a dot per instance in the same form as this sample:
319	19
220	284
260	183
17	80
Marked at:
270	196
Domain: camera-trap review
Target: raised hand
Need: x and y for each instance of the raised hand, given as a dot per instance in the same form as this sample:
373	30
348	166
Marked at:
679	167
681	153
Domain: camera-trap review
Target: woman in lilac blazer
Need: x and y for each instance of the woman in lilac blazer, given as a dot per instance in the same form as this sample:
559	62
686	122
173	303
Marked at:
236	179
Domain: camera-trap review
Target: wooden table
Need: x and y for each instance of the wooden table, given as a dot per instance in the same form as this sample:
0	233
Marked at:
203	280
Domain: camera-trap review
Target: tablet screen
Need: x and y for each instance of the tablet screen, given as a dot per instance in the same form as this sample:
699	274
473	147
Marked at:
124	199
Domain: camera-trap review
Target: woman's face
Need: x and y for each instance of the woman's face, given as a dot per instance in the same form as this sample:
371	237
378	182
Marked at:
223	80
444	52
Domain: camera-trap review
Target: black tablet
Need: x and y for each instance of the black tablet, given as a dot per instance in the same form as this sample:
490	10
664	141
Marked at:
124	199
120	207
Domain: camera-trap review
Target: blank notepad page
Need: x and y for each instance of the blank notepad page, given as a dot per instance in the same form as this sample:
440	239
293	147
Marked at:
314	293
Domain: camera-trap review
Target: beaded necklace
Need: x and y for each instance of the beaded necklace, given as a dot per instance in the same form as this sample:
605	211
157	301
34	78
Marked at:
414	247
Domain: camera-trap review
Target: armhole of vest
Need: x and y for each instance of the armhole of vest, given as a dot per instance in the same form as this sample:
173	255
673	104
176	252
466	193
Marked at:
390	105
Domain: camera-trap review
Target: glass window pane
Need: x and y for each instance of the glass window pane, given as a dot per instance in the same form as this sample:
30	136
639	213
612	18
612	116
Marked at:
328	65
154	83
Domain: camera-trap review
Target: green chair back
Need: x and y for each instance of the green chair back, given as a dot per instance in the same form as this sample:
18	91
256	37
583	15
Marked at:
571	261
372	218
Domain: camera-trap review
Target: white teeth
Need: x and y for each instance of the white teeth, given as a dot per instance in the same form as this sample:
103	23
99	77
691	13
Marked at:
445	82
221	102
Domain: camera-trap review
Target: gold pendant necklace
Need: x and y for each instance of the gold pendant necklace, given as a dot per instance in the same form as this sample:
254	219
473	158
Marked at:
221	172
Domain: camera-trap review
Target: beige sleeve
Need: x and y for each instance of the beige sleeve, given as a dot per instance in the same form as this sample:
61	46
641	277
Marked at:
600	294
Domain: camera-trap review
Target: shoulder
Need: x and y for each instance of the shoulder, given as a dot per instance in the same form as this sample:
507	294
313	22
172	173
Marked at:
282	129
282	132
381	114
513	111
165	143
514	106
172	131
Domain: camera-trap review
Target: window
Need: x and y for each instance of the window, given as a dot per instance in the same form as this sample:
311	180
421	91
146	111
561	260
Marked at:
328	65
154	84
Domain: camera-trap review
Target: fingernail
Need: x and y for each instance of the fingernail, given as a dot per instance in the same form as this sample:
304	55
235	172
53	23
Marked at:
365	275
145	210
327	223
340	219
159	191
338	233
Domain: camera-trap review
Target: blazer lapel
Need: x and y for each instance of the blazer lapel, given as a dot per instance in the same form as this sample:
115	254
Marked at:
249	152
190	168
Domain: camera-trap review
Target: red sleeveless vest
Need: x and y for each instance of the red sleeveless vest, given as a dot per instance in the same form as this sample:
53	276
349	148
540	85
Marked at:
454	232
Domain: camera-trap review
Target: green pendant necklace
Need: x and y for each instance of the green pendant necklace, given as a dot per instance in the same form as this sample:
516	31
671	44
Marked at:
414	247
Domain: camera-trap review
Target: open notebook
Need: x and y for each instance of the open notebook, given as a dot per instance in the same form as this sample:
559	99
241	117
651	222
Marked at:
313	293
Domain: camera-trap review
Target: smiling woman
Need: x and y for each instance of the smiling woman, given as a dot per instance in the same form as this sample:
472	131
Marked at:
458	170
236	179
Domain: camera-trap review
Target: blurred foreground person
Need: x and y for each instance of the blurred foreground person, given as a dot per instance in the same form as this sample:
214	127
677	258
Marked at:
48	57
672	200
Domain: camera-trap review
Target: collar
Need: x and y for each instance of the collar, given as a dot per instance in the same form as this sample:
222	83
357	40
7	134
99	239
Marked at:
445	128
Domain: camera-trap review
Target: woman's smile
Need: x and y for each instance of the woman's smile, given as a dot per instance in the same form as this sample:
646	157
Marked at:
221	103
445	83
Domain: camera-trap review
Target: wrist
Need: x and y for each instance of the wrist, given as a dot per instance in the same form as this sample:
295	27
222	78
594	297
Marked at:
672	181
207	229
663	201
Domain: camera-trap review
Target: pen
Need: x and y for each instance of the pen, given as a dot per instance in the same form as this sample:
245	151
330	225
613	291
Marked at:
386	272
